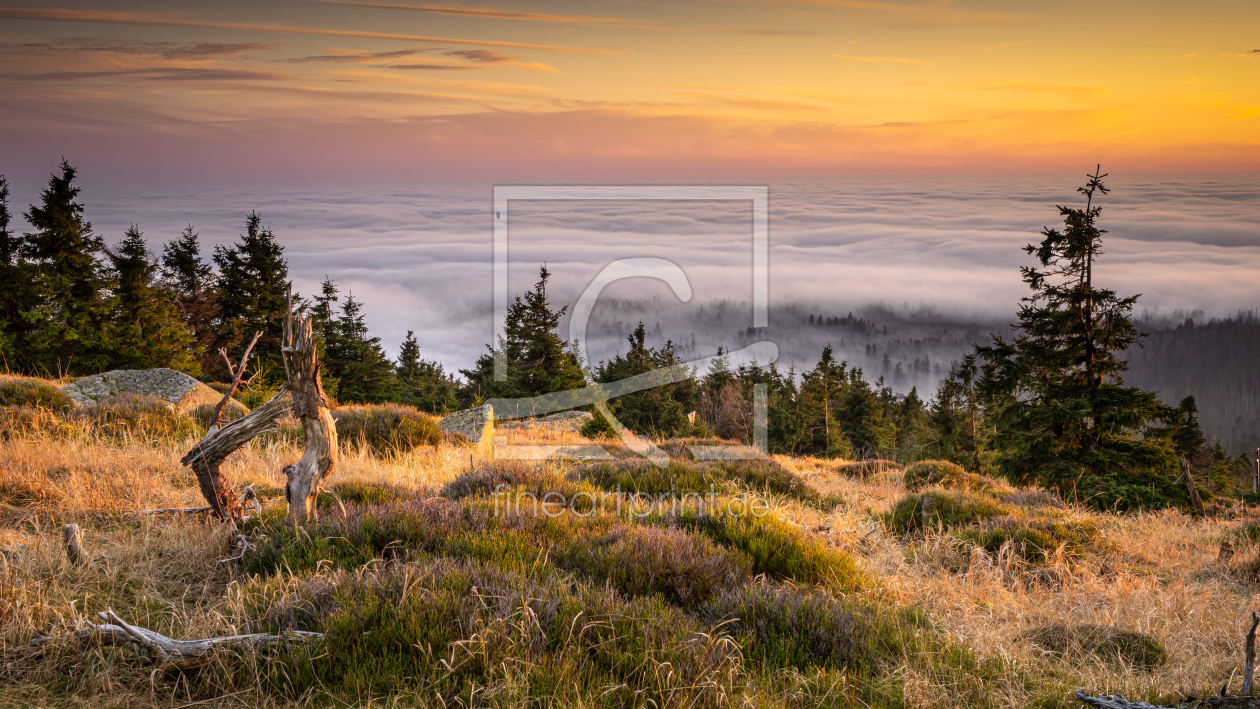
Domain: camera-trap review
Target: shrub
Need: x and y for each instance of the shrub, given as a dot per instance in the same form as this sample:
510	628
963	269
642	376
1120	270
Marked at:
135	416
686	569
365	493
780	550
387	428
1098	642
23	420
946	508
946	474
202	413
451	628
34	393
683	477
789	627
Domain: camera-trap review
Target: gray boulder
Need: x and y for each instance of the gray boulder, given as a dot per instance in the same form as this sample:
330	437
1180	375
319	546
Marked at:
473	424
570	421
179	390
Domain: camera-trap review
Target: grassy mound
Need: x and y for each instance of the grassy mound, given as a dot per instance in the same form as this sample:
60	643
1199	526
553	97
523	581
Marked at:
1037	536
944	508
865	469
946	474
386	428
138	417
1098	643
33	393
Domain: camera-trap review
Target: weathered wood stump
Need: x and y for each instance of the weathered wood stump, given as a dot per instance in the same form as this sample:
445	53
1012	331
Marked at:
310	405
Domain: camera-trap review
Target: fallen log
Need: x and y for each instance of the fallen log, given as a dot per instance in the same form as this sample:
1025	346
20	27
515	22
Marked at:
165	652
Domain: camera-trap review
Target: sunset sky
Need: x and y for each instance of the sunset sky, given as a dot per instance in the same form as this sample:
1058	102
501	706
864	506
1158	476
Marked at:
306	89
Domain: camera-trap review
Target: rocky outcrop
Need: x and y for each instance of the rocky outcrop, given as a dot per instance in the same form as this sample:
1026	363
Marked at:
473	424
179	390
567	421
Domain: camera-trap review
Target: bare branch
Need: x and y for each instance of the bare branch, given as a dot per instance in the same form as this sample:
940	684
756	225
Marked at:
217	417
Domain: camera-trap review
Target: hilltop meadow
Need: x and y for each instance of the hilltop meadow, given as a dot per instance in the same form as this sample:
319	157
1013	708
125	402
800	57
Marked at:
859	583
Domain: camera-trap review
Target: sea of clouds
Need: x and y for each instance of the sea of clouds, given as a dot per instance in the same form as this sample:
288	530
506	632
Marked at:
897	250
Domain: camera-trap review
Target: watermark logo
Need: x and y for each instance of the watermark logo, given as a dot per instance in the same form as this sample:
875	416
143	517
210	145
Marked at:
598	394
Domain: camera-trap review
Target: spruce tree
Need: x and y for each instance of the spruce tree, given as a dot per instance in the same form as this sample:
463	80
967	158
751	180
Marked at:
822	390
192	282
538	359
147	330
426	384
660	410
364	373
326	325
1187	436
253	277
1064	418
16	287
69	315
956	418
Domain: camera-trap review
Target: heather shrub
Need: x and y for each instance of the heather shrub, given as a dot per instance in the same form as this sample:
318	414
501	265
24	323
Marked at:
386	428
686	569
366	493
25	420
33	393
944	508
783	626
682	477
1095	643
450	628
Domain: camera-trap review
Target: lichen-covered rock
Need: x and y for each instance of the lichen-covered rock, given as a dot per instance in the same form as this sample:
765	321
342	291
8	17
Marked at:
181	391
570	421
473	424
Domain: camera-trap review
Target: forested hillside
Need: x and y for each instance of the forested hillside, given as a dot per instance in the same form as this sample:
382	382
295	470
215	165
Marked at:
1216	363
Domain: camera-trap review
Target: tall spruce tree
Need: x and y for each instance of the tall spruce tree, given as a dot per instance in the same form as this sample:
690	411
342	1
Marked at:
538	360
363	371
147	331
426	384
1064	418
192	282
15	284
70	313
253	277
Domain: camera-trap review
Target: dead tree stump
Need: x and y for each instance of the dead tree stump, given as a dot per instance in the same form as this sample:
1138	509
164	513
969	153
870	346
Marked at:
310	405
74	545
208	455
1190	487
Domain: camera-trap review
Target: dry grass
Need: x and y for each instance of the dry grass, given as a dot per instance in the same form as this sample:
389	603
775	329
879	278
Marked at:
1158	574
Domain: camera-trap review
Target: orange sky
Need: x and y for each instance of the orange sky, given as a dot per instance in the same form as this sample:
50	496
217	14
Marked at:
304	88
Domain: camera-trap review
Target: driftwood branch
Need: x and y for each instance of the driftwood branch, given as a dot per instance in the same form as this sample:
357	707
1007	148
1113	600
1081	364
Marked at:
74	545
248	499
301	368
208	455
1249	665
163	651
217	417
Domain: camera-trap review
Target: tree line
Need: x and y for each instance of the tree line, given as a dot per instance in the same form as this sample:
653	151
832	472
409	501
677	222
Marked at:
71	304
1048	407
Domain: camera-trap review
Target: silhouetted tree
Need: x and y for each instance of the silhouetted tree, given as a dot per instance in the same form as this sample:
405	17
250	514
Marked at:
426	384
1064	418
253	278
147	331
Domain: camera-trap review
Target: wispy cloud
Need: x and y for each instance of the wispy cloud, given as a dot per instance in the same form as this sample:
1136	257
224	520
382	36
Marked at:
930	13
164	74
432	67
359	57
139	18
488	13
136	47
587	20
481	56
882	60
